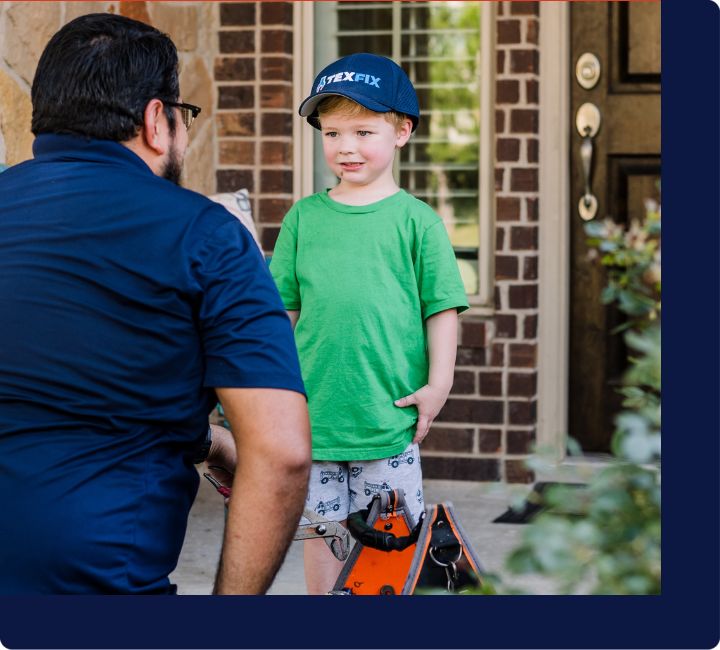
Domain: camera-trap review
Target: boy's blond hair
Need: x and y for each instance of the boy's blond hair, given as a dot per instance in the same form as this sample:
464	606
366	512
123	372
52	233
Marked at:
349	108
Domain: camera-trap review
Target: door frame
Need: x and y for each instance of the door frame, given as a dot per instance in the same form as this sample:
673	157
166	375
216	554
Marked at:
554	236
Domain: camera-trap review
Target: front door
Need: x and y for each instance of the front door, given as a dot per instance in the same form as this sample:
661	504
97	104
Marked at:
624	37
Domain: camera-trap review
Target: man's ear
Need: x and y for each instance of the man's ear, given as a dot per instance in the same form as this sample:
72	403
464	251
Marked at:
155	127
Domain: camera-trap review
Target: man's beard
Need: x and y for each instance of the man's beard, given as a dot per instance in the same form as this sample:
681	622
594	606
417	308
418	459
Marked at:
173	168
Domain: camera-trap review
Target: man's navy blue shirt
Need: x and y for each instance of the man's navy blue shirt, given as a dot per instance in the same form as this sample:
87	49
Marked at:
124	300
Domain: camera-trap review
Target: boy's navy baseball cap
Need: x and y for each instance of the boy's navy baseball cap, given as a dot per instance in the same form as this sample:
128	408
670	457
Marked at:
373	81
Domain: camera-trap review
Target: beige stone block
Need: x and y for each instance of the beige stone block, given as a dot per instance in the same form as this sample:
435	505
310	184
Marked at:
196	86
15	119
179	22
199	169
28	28
75	9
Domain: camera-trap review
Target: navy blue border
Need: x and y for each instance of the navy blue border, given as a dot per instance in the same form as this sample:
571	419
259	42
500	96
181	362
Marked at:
684	616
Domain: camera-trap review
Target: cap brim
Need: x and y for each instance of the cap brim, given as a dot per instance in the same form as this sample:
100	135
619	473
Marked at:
309	106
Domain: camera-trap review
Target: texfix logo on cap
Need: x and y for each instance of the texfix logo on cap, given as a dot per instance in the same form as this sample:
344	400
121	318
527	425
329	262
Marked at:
357	77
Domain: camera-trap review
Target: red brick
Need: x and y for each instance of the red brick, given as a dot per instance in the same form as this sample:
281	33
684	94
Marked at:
237	152
530	268
524	120
516	471
530	327
230	180
234	69
273	210
269	237
448	439
276	40
508	149
276	124
508	31
523	180
276	181
276	69
499	174
497	356
490	384
522	385
521	412
500	62
461	469
531	35
470	356
242	42
524	8
506	267
507	208
276	96
498	298
473	334
524	61
276	153
523	238
471	410
531	91
523	296
505	326
499	121
236	97
523	355
507	91
532	209
276	13
463	383
499	238
520	442
235	124
533	151
237	13
490	441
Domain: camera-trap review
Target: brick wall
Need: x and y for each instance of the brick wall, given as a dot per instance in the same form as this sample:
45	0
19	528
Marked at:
255	112
488	425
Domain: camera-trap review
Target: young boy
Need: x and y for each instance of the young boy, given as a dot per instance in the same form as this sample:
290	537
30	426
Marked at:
370	281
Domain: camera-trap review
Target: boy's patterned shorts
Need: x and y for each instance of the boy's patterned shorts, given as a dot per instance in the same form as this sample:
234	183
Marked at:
338	488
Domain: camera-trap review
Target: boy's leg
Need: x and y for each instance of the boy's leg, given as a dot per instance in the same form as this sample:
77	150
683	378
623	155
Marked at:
328	496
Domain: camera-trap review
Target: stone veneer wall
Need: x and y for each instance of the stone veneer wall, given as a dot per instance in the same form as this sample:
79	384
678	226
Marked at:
26	27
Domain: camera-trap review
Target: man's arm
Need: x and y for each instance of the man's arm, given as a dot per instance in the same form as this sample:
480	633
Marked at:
271	430
293	315
442	349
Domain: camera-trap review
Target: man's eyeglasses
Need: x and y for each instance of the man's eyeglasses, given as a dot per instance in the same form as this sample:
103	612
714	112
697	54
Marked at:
188	112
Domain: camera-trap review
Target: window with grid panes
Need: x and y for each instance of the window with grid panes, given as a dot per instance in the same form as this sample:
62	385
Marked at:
438	45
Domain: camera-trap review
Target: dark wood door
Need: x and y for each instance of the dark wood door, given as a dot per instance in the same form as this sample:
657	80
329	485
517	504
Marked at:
625	38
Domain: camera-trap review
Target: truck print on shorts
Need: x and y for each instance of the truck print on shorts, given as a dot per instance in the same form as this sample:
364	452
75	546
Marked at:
374	488
332	476
405	457
355	471
326	506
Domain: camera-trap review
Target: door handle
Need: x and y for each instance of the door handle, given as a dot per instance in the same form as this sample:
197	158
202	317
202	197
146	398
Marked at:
587	122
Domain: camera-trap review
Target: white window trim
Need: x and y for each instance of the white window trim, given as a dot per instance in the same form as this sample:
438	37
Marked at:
482	303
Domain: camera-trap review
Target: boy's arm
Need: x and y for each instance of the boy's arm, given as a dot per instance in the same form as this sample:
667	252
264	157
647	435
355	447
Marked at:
442	348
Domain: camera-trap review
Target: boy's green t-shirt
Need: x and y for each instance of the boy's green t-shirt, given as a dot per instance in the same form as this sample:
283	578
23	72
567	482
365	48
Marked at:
364	279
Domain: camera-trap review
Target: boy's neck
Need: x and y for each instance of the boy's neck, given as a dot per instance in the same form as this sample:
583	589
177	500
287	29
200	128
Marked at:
362	194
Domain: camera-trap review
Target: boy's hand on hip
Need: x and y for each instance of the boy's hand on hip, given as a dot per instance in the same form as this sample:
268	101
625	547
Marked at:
428	400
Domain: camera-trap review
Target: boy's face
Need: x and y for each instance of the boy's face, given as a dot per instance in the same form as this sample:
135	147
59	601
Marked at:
360	150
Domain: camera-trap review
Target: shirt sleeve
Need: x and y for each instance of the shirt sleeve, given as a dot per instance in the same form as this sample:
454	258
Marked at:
246	334
282	264
439	282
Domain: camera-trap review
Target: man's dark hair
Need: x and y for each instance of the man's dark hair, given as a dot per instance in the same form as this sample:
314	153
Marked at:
97	75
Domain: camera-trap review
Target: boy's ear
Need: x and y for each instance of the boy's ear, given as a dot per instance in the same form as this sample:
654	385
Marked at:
404	132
